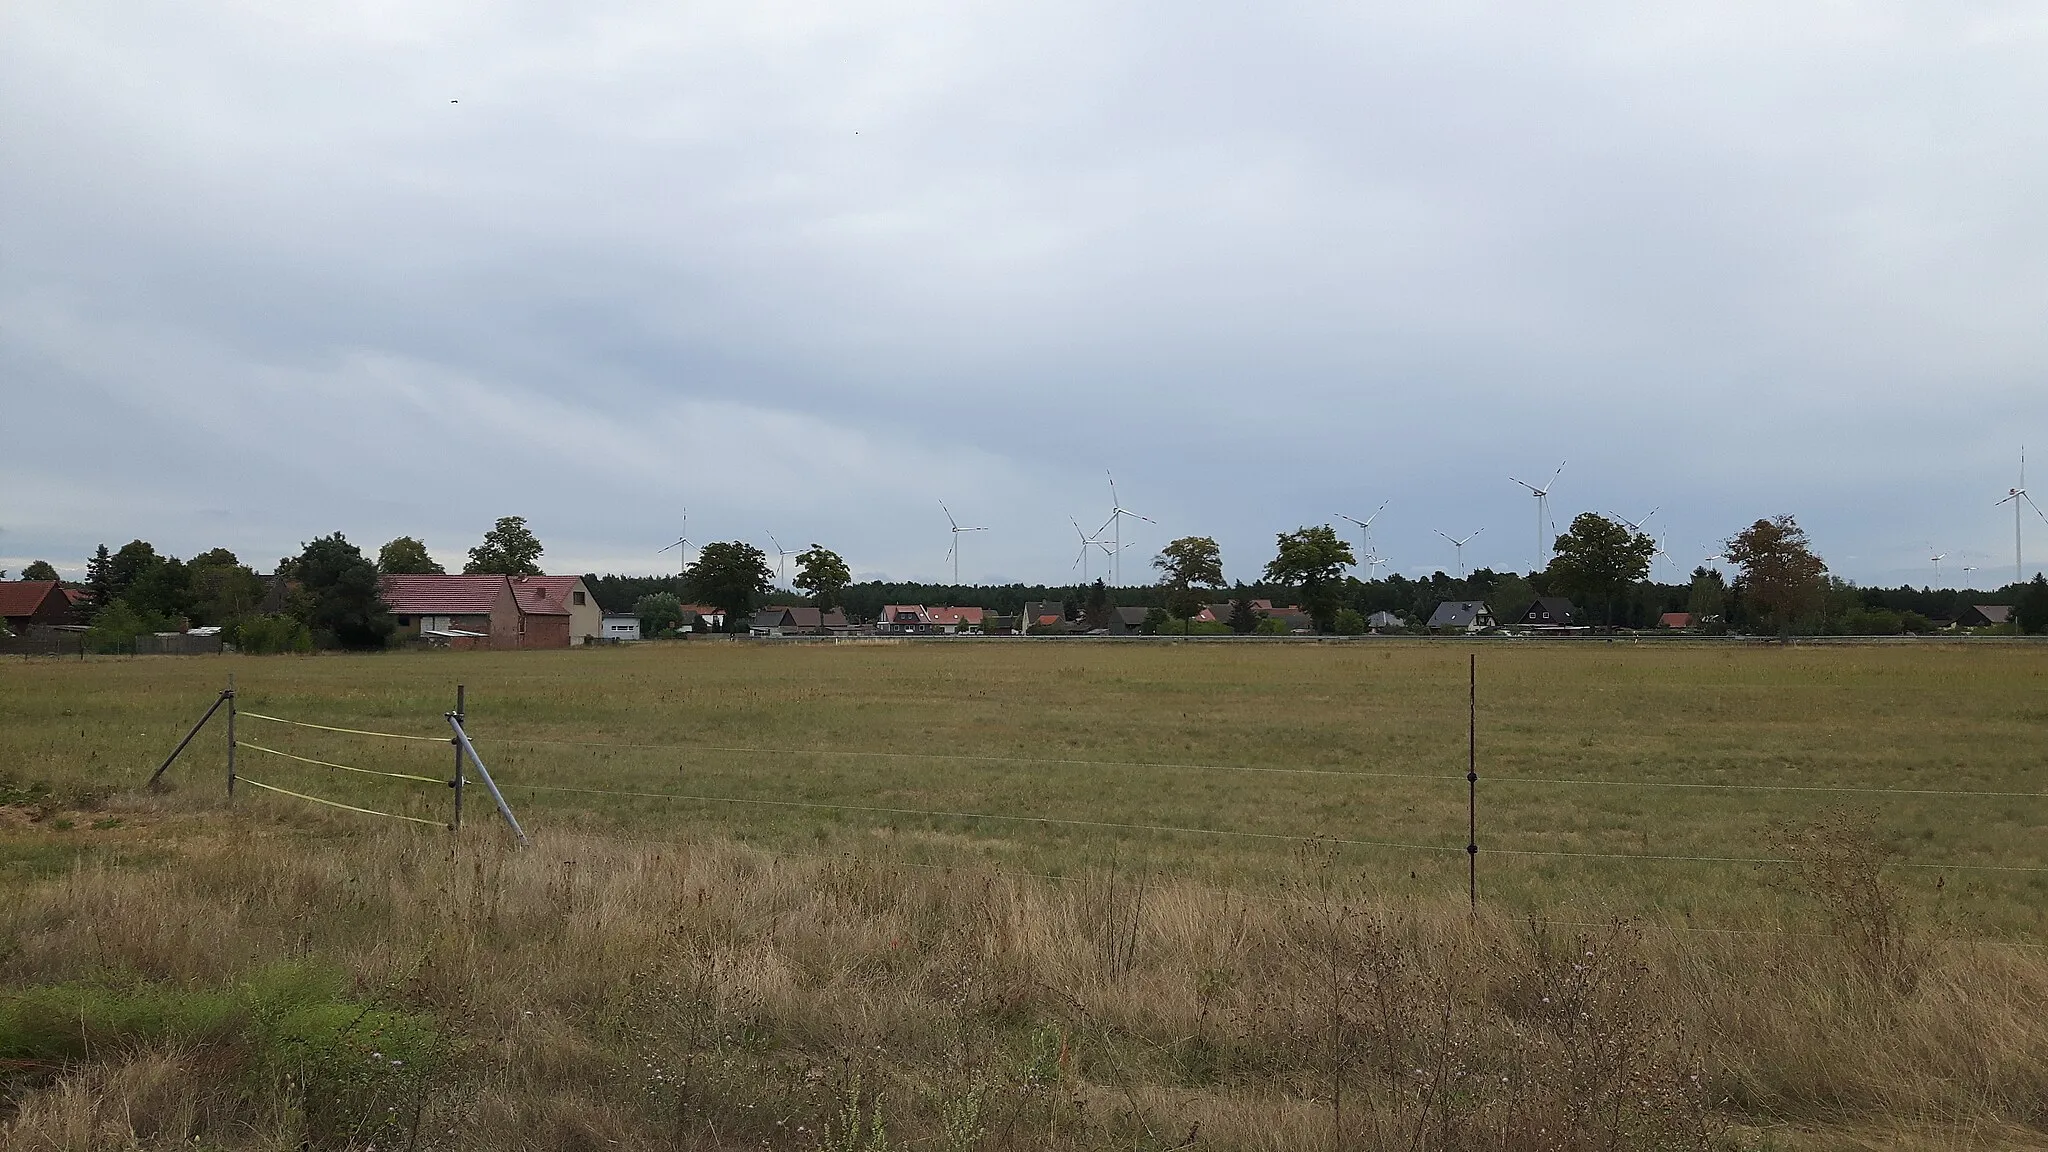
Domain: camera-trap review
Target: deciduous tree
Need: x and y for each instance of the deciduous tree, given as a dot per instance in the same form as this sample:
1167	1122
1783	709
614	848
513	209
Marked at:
730	575
509	548
821	572
1187	566
407	556
339	595
39	570
660	613
1313	559
1597	559
2030	614
1781	575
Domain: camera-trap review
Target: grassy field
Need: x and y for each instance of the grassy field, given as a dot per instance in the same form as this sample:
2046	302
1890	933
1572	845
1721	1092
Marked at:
1108	982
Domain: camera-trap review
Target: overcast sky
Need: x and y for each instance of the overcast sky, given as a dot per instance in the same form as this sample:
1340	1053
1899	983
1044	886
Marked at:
403	268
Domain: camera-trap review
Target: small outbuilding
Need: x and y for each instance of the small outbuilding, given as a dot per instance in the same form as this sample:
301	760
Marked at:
1985	615
27	602
1675	620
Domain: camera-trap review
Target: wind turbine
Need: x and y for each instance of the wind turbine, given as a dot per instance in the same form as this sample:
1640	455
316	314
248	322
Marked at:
1087	542
1117	512
1365	530
1938	557
1635	525
1542	496
953	552
682	542
1373	564
1460	546
2014	496
782	556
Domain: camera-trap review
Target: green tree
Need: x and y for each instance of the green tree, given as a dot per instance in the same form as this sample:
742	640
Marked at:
270	635
509	548
119	623
730	575
407	556
1155	618
1597	560
126	566
1097	615
223	588
1781	575
660	613
821	572
39	570
1313	559
1349	622
1707	601
99	578
340	598
1187	566
2030	614
1244	619
162	586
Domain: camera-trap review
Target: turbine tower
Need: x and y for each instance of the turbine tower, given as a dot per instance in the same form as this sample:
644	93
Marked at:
1460	546
1938	557
1365	530
1087	542
1542	496
682	542
782	556
953	551
2014	497
1117	512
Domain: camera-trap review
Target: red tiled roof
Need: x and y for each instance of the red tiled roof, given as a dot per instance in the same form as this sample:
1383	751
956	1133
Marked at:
961	615
544	595
428	595
1675	620
23	597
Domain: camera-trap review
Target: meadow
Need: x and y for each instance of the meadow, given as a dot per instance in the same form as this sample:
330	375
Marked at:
1795	895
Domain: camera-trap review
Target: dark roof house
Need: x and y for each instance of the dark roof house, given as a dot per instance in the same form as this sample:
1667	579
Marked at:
1983	615
796	620
1550	612
1465	614
26	602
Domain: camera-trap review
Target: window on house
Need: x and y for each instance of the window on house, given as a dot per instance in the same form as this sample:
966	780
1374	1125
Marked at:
578	596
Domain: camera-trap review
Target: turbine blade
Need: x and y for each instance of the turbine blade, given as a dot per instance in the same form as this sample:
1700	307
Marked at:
949	514
2034	506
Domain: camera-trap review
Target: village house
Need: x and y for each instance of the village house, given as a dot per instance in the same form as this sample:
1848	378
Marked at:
1549	612
586	619
1461	615
475	611
1985	615
954	620
903	619
796	621
24	603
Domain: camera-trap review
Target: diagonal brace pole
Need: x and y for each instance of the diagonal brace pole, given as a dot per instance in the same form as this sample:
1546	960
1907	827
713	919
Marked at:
224	697
504	809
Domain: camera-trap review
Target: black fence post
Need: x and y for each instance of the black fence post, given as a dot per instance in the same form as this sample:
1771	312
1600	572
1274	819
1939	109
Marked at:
1472	781
231	735
456	783
168	760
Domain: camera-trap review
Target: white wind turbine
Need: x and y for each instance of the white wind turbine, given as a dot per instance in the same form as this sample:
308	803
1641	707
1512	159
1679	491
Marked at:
682	542
1087	542
1635	525
1460	546
2014	496
1117	512
782	556
1365	531
953	550
1938	557
1542	496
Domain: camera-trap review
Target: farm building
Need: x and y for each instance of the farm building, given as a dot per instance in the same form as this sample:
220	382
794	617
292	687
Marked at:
27	602
586	619
1985	615
621	627
476	611
1676	620
796	621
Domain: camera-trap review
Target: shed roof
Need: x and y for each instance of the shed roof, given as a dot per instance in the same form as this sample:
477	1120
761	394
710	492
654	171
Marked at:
25	597
431	595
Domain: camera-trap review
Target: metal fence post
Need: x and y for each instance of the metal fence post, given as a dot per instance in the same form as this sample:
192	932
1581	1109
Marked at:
168	760
1472	780
456	783
484	774
231	735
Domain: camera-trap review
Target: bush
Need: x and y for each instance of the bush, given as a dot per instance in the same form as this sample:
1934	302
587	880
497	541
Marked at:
1270	626
1350	623
268	635
117	626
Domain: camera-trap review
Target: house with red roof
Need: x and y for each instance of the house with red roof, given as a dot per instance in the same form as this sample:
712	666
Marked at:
477	611
953	620
586	619
26	602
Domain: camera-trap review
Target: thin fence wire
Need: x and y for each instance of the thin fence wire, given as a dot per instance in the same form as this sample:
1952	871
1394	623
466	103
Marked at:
343	767
336	803
1171	828
968	757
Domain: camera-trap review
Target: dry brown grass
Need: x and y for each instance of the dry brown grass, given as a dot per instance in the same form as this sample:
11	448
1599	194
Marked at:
605	993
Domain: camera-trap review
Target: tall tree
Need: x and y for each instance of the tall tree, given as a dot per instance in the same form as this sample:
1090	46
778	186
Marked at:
1706	601
126	565
1244	619
660	614
99	577
339	597
1313	559
407	556
39	570
1098	604
729	575
224	590
1781	575
820	572
509	549
1188	566
2030	613
1596	561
